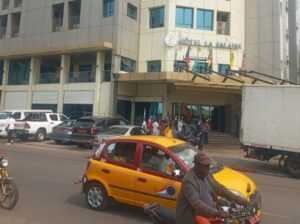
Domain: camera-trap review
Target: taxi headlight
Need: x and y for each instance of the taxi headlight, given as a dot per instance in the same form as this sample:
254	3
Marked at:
4	163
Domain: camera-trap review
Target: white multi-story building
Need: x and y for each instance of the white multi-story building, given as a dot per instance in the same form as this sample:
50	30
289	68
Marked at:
130	56
272	38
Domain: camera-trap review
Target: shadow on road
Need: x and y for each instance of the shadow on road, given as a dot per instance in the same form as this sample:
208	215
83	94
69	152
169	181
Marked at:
116	209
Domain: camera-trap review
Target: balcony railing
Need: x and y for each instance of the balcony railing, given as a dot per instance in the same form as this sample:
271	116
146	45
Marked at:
87	76
48	78
15	31
2	32
57	24
223	28
74	22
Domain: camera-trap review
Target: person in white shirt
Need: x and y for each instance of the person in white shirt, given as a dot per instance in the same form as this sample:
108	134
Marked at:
11	129
155	129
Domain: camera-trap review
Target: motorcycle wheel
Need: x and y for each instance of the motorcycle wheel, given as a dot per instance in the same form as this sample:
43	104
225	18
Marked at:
9	194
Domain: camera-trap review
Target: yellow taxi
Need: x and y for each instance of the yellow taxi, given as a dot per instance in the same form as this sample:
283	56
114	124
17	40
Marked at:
137	170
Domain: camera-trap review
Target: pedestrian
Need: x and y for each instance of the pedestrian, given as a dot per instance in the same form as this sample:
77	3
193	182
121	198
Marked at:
204	128
150	125
156	128
11	132
196	202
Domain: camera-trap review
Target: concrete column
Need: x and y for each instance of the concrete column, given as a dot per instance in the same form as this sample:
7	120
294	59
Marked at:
4	82
32	78
116	64
66	16
64	72
98	80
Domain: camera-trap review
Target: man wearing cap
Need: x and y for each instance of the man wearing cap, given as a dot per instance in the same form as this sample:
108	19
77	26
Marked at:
195	203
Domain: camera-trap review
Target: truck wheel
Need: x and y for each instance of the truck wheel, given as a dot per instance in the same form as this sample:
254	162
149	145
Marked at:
293	166
41	135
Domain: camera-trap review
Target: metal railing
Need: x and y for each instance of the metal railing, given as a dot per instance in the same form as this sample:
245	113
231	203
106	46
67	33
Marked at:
223	28
2	32
15	31
74	22
48	78
57	24
87	76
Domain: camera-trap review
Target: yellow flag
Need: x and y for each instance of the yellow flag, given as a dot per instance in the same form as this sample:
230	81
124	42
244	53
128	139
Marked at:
231	58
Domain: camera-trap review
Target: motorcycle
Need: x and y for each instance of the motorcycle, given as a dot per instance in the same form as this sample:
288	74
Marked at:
9	194
238	215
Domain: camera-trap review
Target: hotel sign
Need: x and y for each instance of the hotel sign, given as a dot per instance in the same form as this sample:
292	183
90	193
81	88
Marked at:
172	40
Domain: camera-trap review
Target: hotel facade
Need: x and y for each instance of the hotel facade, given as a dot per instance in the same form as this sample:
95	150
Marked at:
128	57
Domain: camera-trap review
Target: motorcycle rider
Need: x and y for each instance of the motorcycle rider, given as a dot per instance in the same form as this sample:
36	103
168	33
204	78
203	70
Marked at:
195	203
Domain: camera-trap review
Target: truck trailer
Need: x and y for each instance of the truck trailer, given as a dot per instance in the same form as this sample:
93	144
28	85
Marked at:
270	125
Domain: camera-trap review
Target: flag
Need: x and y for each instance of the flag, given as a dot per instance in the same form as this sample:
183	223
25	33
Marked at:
187	59
231	58
210	59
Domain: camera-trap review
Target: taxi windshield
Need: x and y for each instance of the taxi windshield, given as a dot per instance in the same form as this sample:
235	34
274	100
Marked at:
186	152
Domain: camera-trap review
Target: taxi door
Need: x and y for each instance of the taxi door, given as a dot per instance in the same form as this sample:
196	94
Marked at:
118	170
155	180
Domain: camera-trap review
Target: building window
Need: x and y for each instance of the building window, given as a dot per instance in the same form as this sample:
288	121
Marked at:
154	66
201	67
82	67
224	69
132	11
108	8
5	4
184	17
49	70
57	17
74	14
18	3
128	65
157	17
107	66
205	19
15	24
19	72
180	66
3	26
223	23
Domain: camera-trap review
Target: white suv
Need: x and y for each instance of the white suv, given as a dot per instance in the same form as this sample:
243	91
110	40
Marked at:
18	115
39	125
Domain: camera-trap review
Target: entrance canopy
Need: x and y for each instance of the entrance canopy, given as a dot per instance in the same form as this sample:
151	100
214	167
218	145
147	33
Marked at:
233	81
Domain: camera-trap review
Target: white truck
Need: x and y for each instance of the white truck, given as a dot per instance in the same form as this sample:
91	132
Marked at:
270	125
40	124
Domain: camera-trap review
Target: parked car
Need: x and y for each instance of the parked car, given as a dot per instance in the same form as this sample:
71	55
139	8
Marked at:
18	115
62	134
86	128
115	131
40	124
137	170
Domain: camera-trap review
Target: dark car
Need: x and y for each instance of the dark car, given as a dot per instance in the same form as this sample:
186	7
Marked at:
86	128
62	134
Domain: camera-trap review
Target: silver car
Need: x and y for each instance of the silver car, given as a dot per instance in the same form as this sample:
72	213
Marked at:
116	131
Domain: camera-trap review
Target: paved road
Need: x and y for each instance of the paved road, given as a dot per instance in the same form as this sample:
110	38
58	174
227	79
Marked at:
45	176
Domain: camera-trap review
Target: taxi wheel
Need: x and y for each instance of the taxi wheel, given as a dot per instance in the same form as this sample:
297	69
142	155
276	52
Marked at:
96	196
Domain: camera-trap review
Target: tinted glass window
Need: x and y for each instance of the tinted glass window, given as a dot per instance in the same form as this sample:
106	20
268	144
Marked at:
17	115
3	116
53	117
85	123
123	152
184	17
157	17
115	131
137	131
205	19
